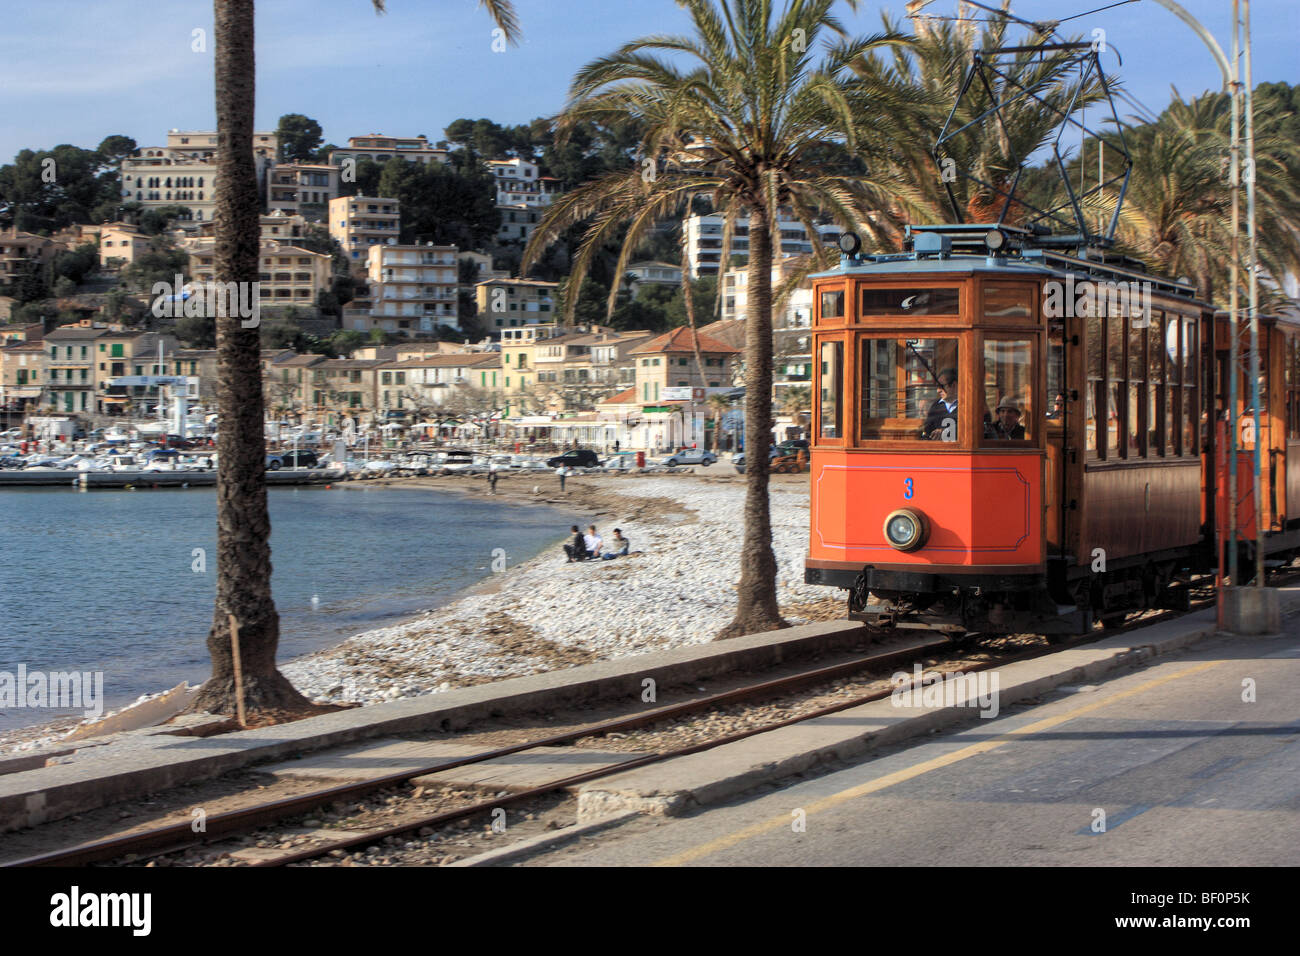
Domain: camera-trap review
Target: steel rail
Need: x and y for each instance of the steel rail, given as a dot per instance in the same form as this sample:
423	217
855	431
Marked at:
221	825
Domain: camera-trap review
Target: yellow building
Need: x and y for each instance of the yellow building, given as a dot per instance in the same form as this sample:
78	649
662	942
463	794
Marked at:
288	275
359	222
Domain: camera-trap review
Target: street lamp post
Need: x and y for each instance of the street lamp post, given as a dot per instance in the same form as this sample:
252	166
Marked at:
1231	70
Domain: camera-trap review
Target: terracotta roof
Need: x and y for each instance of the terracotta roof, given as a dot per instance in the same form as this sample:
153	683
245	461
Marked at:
730	331
626	397
467	359
681	340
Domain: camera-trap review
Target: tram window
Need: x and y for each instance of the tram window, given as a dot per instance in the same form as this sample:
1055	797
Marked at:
908	389
1288	378
1008	407
1116	398
1095	393
910	301
1008	301
1137	340
1056	372
832	382
1173	370
1155	420
833	304
1191	413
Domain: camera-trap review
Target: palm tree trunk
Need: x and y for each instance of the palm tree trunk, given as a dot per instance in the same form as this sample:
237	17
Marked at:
757	609
243	524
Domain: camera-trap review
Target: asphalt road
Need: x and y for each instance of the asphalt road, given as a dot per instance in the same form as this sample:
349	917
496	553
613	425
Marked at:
1185	771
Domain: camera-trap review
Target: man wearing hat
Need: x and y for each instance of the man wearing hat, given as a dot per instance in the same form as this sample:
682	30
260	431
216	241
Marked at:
1008	427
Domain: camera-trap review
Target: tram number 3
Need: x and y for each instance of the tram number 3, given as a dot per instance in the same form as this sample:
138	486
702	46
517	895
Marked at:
907	488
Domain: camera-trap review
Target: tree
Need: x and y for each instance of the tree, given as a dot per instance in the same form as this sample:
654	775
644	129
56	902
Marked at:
743	123
1177	212
299	137
928	74
243	521
113	149
196	331
442	205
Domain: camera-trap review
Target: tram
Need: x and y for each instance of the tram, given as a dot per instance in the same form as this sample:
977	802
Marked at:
1014	435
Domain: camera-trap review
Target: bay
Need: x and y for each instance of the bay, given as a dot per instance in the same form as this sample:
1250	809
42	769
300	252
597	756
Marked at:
105	580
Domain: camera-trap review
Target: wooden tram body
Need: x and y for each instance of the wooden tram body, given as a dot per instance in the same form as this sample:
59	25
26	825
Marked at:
1098	500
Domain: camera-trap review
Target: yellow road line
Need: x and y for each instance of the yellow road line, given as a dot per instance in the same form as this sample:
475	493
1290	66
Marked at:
900	776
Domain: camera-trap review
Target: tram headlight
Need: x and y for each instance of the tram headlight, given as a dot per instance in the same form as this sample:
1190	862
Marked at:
850	243
905	529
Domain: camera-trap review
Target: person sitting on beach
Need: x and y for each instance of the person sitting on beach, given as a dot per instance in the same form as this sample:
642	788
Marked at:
576	549
593	542
619	546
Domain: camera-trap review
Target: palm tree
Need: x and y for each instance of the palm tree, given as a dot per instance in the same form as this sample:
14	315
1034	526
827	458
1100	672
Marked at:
720	404
931	73
1176	215
243	521
795	400
741	112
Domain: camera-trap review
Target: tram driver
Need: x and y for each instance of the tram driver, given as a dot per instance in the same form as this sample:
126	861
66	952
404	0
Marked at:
944	409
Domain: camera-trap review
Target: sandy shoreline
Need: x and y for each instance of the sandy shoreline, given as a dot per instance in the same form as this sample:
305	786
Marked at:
677	588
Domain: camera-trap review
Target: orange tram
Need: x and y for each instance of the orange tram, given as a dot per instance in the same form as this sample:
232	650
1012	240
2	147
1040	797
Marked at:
1017	436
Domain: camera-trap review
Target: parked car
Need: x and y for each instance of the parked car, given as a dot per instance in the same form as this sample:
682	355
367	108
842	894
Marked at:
575	458
690	456
291	459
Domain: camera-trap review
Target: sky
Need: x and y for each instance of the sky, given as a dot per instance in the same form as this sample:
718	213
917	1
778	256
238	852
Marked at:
75	71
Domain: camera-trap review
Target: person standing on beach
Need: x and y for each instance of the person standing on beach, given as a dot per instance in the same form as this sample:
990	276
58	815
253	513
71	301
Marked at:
492	477
563	473
577	548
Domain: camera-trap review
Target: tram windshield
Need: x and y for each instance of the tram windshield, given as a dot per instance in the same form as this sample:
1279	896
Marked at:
909	389
1008	390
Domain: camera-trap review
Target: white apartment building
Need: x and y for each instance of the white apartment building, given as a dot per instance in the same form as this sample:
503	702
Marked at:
519	183
704	241
295	188
413	287
655	273
791	323
360	222
518	222
202	144
381	148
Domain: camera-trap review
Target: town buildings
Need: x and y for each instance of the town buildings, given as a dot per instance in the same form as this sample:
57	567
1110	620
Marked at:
359	222
413	288
303	189
704	235
288	275
21	252
380	148
505	303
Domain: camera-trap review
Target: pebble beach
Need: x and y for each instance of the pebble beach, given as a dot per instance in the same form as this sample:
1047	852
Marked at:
676	588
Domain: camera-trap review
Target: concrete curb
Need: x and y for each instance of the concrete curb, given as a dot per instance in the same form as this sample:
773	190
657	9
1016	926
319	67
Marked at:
146	761
545	842
681	785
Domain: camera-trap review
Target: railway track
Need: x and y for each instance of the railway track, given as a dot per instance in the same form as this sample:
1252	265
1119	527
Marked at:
225	826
